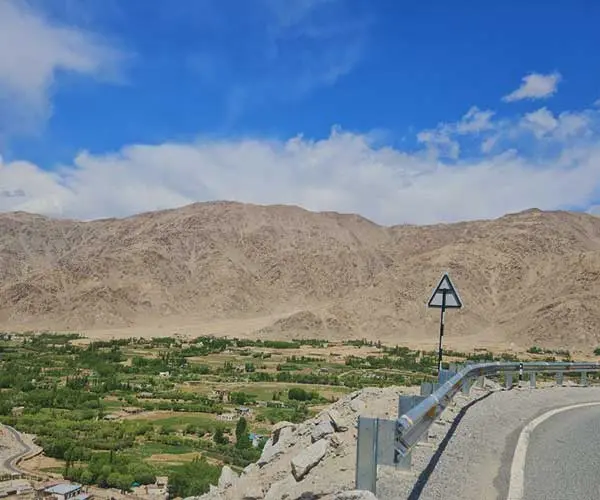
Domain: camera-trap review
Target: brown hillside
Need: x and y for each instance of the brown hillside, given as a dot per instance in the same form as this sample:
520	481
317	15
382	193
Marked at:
281	271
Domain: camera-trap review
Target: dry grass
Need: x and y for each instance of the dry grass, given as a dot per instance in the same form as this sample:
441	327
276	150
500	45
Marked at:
170	459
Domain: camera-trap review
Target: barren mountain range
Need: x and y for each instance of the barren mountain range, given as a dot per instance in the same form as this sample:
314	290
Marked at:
531	278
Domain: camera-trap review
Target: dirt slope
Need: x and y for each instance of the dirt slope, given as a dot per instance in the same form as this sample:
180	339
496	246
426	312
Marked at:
280	271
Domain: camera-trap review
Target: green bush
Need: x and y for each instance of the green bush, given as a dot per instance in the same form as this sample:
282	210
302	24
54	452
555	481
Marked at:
193	478
298	394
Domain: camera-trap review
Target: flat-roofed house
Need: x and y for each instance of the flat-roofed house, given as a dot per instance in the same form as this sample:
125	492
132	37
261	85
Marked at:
63	491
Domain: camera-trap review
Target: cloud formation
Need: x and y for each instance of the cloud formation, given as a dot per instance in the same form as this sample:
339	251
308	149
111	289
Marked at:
535	86
440	141
348	172
32	51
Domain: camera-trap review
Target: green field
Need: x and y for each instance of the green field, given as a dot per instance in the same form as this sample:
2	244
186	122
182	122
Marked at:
106	408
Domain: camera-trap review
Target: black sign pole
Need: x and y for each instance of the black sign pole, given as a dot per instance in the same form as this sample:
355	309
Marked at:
443	310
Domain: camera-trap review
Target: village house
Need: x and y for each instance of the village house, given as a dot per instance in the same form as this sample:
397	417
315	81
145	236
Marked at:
159	489
62	491
255	438
244	411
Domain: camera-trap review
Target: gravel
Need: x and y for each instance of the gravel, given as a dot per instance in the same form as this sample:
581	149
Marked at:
475	462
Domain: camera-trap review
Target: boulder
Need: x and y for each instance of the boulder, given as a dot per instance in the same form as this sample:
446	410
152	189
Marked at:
322	429
281	489
249	469
335	441
357	405
338	424
253	492
285	436
227	477
278	427
269	452
309	458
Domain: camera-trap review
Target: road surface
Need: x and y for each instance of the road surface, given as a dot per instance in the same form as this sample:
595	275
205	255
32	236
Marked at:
475	461
563	457
24	450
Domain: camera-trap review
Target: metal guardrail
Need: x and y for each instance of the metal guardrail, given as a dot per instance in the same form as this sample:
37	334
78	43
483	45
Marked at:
414	423
390	442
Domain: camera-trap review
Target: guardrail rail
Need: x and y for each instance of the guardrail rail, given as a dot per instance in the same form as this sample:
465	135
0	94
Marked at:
390	442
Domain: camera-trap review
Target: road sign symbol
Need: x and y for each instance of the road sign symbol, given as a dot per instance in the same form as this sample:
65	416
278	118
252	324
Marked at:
445	295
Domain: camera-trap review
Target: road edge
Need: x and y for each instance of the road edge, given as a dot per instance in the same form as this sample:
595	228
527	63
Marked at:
517	469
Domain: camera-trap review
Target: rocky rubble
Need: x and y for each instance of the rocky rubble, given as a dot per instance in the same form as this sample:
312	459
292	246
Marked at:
316	459
312	460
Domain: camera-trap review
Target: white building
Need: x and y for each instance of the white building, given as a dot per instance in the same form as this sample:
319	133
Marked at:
64	491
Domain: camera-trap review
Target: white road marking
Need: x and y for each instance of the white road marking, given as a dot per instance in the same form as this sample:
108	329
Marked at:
517	469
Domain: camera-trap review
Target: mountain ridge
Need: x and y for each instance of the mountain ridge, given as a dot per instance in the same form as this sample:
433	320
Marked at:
526	278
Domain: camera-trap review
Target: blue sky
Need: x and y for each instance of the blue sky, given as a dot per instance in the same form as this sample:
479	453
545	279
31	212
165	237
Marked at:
397	110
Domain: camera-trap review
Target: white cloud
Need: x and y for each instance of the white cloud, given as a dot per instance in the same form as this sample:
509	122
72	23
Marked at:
572	125
535	86
344	172
489	143
32	51
540	122
475	121
543	124
440	141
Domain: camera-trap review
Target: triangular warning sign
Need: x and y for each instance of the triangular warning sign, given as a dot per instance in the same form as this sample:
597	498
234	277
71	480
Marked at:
445	288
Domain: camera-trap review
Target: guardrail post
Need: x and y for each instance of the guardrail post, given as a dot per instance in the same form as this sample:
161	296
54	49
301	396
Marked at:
559	378
375	446
532	380
427	388
466	385
584	381
366	454
508	379
445	375
453	367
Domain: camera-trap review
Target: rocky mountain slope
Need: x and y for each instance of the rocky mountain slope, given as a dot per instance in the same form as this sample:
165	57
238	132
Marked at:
281	271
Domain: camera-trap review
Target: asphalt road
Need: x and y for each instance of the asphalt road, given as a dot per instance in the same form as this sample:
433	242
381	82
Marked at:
476	459
25	449
563	457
